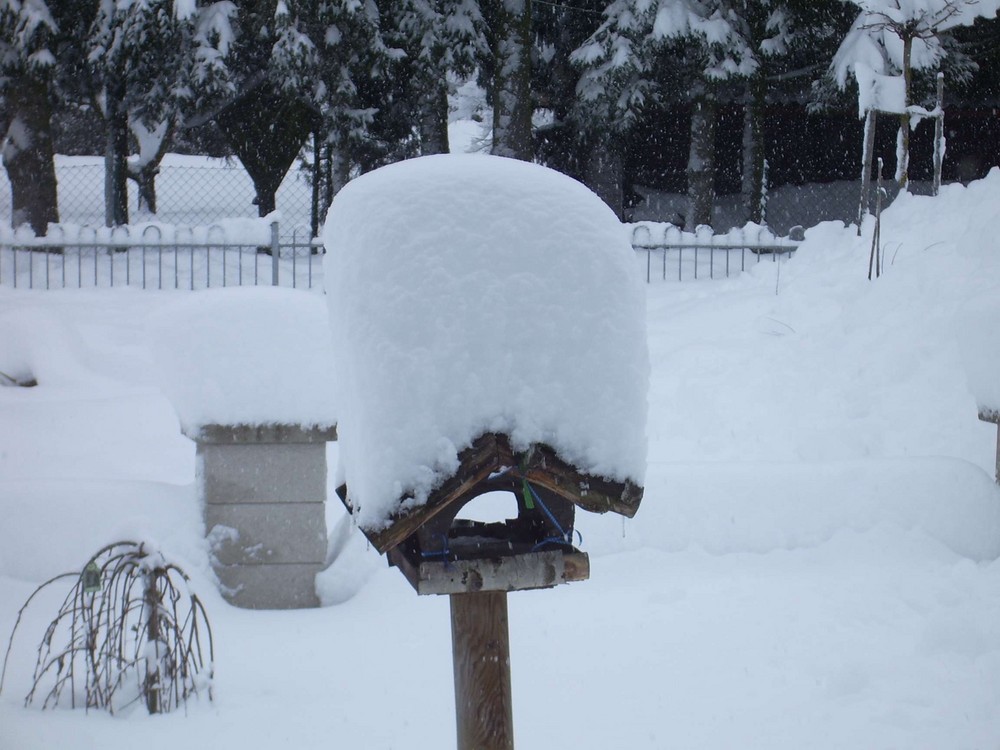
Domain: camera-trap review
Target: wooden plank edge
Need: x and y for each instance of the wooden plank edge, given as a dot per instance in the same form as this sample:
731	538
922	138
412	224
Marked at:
551	568
990	415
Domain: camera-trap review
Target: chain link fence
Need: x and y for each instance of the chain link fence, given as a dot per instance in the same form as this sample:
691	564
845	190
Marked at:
787	206
190	190
199	190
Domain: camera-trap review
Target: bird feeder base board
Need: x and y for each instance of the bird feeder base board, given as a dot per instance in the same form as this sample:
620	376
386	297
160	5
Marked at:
533	570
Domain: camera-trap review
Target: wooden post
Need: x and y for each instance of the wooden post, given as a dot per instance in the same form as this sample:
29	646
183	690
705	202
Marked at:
481	656
867	150
151	686
939	135
903	143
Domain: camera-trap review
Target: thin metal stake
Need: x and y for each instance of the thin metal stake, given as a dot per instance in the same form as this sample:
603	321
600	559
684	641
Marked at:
275	250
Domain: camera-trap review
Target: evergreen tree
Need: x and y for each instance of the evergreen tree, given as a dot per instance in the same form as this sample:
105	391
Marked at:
301	68
572	139
650	52
441	38
149	64
28	48
145	60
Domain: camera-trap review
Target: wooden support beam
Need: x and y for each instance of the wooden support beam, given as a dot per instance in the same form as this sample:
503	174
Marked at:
481	657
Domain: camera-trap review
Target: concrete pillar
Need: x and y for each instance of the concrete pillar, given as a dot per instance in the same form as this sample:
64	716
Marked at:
263	490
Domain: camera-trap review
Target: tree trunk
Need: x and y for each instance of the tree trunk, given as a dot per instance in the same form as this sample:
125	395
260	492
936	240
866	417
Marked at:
151	602
28	155
512	106
603	173
754	191
153	147
701	158
340	171
433	123
115	157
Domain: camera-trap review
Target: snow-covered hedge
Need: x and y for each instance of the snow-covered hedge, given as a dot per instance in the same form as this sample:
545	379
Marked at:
471	294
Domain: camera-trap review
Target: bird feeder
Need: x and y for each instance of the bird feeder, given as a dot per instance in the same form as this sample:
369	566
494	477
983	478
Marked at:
440	554
476	563
489	325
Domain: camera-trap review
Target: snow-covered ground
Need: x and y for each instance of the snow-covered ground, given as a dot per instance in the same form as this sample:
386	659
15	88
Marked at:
813	566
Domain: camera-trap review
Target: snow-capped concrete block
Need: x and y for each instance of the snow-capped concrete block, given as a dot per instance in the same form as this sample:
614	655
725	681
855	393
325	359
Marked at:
262	472
264	360
266	533
290	586
263	489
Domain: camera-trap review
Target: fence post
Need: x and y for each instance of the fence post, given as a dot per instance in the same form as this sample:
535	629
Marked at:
275	250
939	135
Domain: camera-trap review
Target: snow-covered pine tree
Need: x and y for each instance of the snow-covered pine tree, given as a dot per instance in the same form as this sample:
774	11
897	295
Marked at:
569	138
697	43
511	41
302	67
441	38
28	47
145	60
202	80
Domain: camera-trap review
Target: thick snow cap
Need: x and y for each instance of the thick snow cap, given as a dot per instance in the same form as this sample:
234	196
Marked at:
472	294
245	356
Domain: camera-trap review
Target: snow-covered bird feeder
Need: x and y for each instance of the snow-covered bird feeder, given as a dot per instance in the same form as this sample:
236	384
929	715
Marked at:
488	319
248	373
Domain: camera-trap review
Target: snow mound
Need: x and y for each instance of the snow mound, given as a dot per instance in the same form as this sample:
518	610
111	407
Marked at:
471	294
979	339
39	345
770	506
252	355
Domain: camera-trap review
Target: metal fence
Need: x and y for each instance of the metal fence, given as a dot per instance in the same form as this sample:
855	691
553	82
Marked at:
704	254
158	257
180	257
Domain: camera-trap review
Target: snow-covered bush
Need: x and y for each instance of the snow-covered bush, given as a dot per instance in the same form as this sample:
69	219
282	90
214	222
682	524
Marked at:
129	631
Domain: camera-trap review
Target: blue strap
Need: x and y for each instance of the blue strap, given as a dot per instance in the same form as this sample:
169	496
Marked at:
444	553
564	537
